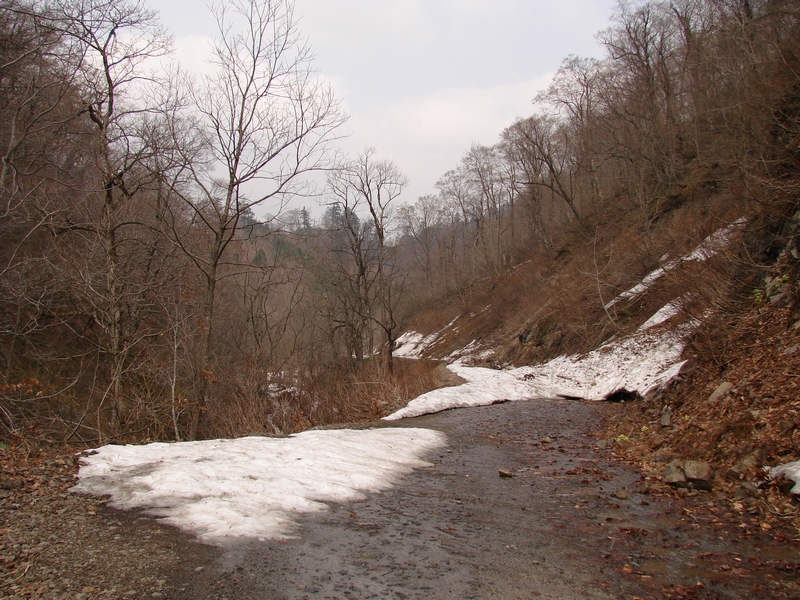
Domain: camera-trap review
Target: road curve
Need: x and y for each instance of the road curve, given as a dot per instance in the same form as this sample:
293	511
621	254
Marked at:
570	522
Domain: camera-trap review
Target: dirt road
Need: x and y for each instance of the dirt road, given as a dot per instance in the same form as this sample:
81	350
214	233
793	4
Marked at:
569	523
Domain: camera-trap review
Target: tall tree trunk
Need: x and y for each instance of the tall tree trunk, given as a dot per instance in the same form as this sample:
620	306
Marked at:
206	375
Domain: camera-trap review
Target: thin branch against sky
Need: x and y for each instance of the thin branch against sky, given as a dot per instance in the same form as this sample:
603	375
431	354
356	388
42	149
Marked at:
424	79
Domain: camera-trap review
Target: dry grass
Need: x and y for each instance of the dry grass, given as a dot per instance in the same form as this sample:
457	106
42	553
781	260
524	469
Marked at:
333	395
552	302
370	393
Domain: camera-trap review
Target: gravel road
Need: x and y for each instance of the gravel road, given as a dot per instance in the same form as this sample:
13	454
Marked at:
570	522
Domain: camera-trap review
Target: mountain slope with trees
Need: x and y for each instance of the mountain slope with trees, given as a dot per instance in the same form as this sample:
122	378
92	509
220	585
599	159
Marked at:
143	298
146	295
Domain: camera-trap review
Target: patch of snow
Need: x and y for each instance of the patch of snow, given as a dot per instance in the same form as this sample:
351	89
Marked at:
706	249
715	242
646	283
790	471
276	389
638	363
412	344
408	344
470	351
663	314
223	490
462	352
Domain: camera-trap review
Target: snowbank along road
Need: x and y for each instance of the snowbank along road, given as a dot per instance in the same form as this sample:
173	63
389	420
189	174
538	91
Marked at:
568	523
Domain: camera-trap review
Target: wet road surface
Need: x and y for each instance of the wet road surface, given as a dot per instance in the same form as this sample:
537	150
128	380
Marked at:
569	523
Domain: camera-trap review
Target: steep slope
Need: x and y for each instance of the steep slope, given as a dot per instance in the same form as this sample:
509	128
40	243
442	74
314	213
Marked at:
732	299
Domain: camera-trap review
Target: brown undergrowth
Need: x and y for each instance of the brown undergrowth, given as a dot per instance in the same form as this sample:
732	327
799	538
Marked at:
752	425
343	397
555	301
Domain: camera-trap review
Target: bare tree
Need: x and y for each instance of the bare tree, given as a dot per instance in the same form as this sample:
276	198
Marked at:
492	191
370	186
420	222
114	41
574	95
264	121
542	145
34	86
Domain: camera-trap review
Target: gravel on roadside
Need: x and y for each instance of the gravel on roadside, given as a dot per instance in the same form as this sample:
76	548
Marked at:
55	544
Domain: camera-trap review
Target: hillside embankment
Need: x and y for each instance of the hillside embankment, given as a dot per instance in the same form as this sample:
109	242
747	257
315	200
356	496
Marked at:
734	407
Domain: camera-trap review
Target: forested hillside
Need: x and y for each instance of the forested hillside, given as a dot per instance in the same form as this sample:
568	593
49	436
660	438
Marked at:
154	283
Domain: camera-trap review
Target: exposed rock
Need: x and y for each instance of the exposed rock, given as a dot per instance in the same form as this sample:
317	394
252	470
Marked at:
621	494
505	473
673	474
746	490
663	456
699	473
776	286
745	465
786	426
791	350
778	297
786	485
721	391
666	416
602	444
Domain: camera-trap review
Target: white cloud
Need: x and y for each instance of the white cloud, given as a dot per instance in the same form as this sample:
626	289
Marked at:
423	79
193	53
352	25
397	48
426	136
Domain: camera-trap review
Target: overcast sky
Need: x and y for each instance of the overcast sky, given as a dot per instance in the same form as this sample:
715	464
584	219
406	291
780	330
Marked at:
424	79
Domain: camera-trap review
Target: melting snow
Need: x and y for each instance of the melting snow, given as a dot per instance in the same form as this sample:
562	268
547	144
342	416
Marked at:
638	363
646	283
790	471
705	250
252	487
412	344
663	314
470	351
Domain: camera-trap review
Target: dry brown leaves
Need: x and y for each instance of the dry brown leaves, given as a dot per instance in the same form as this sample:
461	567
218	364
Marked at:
759	418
